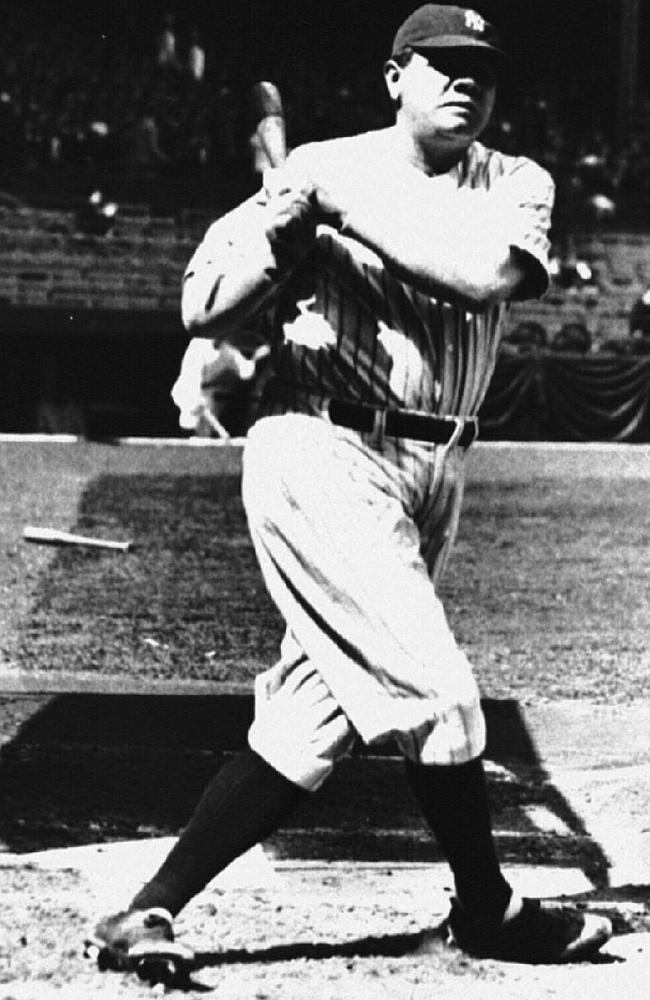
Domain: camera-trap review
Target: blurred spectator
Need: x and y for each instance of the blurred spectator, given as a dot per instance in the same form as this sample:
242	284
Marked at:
640	344
567	270
640	316
144	155
634	177
615	346
600	208
166	49
640	325
572	338
589	181
593	166
96	216
98	142
196	57
527	337
11	137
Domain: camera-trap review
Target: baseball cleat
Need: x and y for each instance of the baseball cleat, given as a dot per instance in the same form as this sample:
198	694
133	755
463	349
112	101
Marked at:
536	935
141	941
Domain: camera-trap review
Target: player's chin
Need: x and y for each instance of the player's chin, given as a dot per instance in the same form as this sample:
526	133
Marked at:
462	124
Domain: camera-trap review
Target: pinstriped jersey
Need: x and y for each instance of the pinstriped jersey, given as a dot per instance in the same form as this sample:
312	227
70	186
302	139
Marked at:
346	326
343	324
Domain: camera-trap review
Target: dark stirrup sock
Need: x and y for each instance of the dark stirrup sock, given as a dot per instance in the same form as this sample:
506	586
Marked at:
242	805
454	802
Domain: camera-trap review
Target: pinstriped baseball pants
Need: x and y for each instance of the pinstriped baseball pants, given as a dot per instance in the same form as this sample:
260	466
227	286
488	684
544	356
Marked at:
351	539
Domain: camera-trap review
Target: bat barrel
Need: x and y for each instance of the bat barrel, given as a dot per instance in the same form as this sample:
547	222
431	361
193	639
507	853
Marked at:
265	100
268	131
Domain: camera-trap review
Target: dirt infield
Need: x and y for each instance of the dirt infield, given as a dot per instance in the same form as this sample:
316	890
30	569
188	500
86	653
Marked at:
325	935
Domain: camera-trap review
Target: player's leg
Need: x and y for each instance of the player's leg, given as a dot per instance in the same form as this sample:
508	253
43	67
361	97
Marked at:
298	733
454	801
453	796
299	727
241	806
487	917
342	559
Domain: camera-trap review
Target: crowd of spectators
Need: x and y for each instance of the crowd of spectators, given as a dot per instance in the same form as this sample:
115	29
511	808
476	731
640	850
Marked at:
158	116
88	112
163	114
530	337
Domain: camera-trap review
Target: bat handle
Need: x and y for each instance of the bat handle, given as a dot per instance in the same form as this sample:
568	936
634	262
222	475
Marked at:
272	140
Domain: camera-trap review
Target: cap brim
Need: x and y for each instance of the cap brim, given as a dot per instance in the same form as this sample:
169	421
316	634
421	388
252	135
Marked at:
460	42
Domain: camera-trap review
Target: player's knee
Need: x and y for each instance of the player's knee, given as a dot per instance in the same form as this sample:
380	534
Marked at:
301	733
299	763
456	736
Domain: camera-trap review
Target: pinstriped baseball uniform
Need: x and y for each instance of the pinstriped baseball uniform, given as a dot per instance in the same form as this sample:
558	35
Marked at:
381	270
352	530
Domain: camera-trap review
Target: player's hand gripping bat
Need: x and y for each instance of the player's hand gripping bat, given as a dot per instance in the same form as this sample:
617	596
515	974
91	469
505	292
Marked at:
269	150
291	223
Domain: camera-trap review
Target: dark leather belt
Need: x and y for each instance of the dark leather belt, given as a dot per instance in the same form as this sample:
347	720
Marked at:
402	423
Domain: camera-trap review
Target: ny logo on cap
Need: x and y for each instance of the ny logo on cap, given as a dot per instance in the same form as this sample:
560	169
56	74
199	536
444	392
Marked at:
474	21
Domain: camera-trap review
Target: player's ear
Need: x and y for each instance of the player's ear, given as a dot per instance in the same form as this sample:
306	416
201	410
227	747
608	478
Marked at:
392	77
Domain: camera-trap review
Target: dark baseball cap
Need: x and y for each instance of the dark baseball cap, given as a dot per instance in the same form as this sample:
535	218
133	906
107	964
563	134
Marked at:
438	26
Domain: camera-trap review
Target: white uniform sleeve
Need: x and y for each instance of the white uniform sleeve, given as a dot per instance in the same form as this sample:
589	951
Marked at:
236	234
236	248
526	195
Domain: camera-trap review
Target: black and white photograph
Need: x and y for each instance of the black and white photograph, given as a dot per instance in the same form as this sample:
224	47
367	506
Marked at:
325	500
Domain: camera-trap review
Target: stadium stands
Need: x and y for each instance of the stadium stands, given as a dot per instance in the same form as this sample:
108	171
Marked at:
87	111
46	260
86	103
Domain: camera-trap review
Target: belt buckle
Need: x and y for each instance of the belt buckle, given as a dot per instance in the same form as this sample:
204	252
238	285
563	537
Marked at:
459	427
442	450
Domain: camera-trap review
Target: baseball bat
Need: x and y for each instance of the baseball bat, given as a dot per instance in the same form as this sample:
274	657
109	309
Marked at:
269	136
53	536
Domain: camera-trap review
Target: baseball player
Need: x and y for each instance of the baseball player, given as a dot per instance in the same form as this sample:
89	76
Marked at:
387	261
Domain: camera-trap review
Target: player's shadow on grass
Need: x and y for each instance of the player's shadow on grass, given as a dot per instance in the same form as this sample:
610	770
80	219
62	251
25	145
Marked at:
88	768
95	767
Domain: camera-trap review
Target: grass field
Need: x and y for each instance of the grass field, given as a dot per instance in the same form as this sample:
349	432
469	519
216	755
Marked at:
548	591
